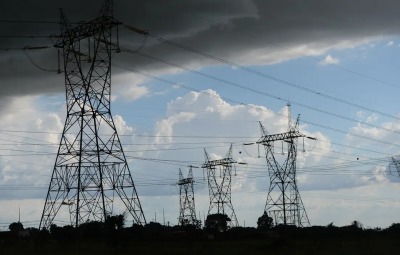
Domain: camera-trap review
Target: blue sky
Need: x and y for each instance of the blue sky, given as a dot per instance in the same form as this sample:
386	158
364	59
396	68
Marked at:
365	59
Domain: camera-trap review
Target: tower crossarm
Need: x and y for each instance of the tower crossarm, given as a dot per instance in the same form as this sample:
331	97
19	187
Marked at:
278	137
218	162
185	181
85	30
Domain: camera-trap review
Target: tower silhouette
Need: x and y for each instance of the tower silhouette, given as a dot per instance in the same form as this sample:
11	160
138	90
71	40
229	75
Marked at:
220	188
284	203
394	165
90	169
187	210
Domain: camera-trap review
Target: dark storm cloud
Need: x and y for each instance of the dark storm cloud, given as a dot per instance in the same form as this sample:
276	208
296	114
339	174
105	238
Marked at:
317	24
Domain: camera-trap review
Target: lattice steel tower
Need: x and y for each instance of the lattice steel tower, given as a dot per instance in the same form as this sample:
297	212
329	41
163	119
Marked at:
395	165
90	168
219	189
284	203
187	211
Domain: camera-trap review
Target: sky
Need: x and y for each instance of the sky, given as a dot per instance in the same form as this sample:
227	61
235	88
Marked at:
334	61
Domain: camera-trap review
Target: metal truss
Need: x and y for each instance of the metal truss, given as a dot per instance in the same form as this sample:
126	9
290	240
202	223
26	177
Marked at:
187	211
395	165
90	169
284	203
220	188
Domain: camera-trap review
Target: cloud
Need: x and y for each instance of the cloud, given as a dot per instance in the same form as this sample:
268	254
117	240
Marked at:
369	118
135	92
372	118
130	86
177	86
113	98
122	127
389	43
329	60
205	123
305	33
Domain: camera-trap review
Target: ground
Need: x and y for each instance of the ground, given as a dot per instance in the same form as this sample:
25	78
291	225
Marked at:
277	245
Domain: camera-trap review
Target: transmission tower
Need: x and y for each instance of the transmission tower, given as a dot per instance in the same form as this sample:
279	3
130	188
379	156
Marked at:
284	203
187	211
90	169
219	189
395	165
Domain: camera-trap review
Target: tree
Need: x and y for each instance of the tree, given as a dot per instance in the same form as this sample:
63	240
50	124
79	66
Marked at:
356	224
198	224
186	222
265	222
394	228
115	221
217	222
114	225
53	229
15	227
33	231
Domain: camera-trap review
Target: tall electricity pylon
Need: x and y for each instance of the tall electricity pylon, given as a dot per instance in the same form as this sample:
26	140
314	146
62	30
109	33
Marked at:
284	203
187	211
220	188
90	168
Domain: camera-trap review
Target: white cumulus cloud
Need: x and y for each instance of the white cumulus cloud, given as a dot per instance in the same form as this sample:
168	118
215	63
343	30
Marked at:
329	60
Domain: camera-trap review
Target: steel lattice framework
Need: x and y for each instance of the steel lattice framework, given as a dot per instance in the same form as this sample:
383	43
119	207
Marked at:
284	203
220	188
90	168
187	211
395	165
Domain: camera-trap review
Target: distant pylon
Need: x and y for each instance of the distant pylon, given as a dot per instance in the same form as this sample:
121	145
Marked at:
284	203
395	165
187	210
220	188
90	169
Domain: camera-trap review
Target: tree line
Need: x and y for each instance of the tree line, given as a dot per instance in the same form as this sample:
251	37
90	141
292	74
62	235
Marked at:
114	230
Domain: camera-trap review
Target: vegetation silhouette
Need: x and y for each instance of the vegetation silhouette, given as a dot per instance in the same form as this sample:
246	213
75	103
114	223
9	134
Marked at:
116	236
15	227
265	222
217	223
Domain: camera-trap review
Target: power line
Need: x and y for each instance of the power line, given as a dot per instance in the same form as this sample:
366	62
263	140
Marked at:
344	197
44	22
267	76
248	105
166	182
202	137
353	120
25	36
319	167
278	45
38	153
261	92
220	24
308	122
172	149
